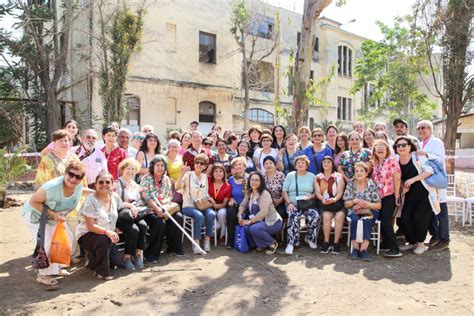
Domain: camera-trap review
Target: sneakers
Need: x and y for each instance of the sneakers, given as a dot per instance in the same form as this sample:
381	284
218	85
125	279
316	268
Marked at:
336	249
392	253
420	250
196	250
364	256
128	265
207	244
433	241
354	255
440	245
272	248
407	247
139	261
325	248
311	244
289	249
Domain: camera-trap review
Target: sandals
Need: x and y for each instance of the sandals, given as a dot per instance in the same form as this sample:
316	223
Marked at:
103	277
63	272
47	280
272	248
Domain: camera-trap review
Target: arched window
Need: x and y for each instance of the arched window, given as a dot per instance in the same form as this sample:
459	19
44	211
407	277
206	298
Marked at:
207	112
262	116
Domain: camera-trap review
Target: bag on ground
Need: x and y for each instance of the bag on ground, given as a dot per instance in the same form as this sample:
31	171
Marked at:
240	240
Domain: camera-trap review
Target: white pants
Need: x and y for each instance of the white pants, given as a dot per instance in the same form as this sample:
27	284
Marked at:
53	268
221	221
72	223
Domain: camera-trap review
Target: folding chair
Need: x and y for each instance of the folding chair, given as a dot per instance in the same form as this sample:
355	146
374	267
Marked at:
188	225
375	236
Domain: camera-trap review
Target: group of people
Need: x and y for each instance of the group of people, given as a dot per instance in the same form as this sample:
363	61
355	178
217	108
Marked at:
127	187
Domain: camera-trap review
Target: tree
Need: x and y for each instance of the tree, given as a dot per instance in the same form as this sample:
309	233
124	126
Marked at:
256	41
388	73
42	47
446	25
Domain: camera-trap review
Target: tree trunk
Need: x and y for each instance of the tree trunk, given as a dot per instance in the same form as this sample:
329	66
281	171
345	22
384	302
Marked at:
304	57
53	115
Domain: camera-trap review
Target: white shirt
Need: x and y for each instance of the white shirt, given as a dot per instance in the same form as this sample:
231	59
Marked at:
95	162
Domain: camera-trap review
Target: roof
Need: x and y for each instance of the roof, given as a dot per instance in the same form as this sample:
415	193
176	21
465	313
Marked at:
460	116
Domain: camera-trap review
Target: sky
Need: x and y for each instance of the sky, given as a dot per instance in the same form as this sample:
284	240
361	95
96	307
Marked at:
365	13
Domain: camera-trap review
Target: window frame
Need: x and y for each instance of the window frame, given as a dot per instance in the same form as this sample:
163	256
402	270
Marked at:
210	59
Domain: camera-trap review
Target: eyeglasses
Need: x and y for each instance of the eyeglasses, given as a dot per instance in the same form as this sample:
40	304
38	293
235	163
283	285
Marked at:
76	176
202	163
401	145
102	182
90	137
207	144
421	127
138	137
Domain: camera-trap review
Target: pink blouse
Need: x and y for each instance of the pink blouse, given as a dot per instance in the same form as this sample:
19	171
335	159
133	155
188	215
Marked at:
382	175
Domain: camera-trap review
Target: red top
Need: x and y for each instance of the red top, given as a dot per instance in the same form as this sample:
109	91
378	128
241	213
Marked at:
188	157
114	159
222	193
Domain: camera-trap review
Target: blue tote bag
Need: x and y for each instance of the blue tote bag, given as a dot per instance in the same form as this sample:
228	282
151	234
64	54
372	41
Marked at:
240	240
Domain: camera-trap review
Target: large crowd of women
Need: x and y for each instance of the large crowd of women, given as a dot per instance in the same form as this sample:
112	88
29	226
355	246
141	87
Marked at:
270	184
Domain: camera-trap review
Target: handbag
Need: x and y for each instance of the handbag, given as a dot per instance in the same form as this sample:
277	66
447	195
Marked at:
365	212
303	205
169	208
40	260
200	204
240	240
60	251
438	179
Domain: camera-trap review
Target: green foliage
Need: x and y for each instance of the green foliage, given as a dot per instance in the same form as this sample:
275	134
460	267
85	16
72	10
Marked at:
324	124
393	68
11	166
124	38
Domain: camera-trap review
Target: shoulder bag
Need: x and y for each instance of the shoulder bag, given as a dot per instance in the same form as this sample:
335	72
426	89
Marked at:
303	205
365	212
200	204
39	259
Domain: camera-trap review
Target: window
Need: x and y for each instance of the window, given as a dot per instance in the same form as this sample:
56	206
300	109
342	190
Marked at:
207	112
132	118
316	44
260	75
344	61
311	123
207	48
344	109
261	116
263	26
170	37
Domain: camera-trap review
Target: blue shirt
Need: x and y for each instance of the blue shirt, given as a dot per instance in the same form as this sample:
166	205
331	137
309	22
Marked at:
237	190
315	158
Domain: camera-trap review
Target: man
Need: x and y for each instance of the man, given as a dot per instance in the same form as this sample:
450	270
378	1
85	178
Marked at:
433	148
124	136
400	127
195	149
359	127
91	157
194	126
148	129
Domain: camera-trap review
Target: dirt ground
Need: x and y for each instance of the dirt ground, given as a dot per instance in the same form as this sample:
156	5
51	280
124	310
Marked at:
226	282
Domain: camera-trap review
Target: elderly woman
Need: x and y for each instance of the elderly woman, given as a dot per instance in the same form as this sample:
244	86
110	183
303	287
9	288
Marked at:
352	156
175	160
57	197
219	191
156	190
304	135
329	188
290	153
194	186
274	183
232	145
265	151
96	231
418	199
263	221
112	151
299	187
386	175
72	128
362	200
222	157
238	184
129	220
150	147
317	152
243	148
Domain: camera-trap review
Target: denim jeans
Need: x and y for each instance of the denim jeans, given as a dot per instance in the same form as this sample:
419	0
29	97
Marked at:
439	224
199	217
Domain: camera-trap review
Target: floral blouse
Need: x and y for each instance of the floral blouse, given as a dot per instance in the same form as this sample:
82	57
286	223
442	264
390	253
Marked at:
370	193
151	188
51	166
349	159
275	184
382	175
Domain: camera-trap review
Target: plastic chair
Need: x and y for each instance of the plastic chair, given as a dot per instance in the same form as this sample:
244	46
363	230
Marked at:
457	203
375	236
188	225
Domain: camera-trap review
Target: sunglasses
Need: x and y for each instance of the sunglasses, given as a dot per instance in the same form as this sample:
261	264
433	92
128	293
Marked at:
202	163
402	145
318	135
207	144
76	176
138	137
421	127
102	182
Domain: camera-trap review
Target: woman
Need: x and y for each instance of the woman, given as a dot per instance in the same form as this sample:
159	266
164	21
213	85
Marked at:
238	184
263	221
216	129
72	128
299	186
254	133
342	144
129	220
386	175
112	151
151	146
174	160
352	156
194	186
227	134
290	153
185	142
317	152
274	183
369	138
137	140
156	190
304	134
232	145
222	157
96	230
266	150
219	191
214	136
279	136
57	197
331	133
381	135
329	188
362	200
418	200
243	148
53	164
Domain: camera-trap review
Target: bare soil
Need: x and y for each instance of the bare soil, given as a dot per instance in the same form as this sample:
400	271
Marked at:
230	283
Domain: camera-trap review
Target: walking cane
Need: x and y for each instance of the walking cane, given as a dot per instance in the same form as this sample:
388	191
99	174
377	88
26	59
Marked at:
179	226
